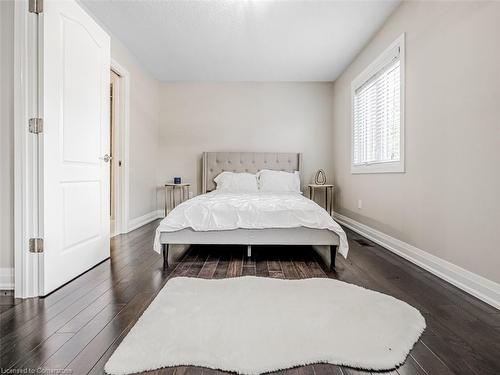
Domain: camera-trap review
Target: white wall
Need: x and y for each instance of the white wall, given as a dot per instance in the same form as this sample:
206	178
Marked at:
273	117
6	142
448	201
144	131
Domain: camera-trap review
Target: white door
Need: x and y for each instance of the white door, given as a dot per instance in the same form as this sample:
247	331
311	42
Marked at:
75	109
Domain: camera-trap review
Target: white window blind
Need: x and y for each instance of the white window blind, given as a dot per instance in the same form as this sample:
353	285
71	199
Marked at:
377	99
376	122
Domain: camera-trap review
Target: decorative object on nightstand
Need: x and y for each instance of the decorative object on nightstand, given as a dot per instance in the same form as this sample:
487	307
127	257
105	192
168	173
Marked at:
328	189
320	177
170	188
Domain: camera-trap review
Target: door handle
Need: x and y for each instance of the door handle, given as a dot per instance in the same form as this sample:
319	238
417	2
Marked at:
106	158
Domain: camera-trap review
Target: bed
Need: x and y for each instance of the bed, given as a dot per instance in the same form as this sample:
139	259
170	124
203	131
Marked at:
222	218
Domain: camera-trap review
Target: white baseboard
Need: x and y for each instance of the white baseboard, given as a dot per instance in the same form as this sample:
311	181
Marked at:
478	286
6	278
144	219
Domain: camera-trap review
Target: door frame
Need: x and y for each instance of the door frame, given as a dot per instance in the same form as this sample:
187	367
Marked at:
27	160
123	141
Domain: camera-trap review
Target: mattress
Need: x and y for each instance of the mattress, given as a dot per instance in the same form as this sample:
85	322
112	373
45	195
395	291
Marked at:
224	211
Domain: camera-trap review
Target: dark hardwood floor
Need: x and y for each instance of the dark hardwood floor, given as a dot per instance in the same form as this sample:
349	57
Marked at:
80	325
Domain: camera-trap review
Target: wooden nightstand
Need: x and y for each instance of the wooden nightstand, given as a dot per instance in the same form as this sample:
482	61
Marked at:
170	189
327	188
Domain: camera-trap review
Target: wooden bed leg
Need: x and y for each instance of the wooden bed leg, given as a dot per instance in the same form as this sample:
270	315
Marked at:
333	254
165	255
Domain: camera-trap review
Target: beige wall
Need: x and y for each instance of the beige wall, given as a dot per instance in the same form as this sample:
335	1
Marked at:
275	117
448	201
6	136
144	131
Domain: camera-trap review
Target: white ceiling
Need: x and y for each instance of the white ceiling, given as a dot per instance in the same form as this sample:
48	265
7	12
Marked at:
243	40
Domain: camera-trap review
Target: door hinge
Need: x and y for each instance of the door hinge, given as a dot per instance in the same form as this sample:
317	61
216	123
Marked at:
36	125
36	245
35	6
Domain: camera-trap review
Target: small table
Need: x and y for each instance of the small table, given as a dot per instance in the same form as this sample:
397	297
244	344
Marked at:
328	188
170	188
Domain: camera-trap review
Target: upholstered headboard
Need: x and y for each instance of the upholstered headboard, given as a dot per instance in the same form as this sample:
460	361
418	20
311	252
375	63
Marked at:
251	162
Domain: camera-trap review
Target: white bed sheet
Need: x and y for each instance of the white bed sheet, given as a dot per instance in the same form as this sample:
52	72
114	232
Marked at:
219	211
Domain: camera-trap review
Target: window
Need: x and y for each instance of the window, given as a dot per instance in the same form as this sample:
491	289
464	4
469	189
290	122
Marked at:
378	114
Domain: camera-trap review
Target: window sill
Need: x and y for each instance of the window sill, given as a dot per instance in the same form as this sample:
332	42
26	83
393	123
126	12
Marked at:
378	168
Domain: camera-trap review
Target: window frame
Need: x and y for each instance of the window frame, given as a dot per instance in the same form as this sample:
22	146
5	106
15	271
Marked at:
379	63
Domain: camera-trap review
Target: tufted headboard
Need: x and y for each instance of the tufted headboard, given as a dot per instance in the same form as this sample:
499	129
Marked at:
251	162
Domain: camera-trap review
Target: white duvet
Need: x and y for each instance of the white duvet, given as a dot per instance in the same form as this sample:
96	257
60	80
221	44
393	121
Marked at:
228	211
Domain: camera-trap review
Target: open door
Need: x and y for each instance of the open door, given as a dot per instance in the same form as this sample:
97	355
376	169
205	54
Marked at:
75	108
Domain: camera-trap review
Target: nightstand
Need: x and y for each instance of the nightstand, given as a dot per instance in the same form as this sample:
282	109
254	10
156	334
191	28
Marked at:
170	189
328	189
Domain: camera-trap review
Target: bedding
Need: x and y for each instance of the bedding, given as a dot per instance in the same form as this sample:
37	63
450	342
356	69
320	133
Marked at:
236	182
219	211
278	181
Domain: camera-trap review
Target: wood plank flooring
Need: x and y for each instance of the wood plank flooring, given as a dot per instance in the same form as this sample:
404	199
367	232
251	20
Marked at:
80	325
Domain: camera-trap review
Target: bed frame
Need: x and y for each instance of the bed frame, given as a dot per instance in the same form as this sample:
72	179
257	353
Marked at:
215	163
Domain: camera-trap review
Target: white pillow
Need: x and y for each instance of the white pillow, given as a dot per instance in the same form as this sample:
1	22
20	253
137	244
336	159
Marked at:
279	181
237	182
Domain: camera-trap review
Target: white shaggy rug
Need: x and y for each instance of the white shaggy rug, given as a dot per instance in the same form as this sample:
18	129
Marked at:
252	325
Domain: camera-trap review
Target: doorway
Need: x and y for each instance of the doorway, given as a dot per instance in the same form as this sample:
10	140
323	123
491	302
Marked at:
119	113
63	169
115	163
